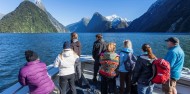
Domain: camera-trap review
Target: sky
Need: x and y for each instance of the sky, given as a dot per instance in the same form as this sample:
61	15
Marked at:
70	11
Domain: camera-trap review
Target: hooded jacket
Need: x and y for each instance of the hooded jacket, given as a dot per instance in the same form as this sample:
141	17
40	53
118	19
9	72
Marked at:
143	71
175	57
98	48
35	75
66	62
123	57
109	64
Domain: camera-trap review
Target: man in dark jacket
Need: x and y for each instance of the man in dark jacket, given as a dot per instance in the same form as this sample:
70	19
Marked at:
98	48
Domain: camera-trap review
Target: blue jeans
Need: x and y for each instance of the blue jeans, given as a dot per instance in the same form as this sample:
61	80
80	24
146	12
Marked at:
143	89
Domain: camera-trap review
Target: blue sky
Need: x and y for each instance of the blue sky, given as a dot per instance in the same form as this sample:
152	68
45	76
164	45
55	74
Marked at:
69	11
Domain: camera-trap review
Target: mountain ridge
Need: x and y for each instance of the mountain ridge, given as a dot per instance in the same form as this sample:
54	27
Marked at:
80	26
29	18
164	16
100	23
57	24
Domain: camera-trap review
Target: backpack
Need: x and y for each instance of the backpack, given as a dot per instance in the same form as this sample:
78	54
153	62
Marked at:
130	62
108	68
161	70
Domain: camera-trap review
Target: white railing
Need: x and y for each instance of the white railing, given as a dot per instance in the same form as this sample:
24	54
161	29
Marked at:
19	89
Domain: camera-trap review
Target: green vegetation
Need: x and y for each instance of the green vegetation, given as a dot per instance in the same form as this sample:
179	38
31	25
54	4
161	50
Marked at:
27	18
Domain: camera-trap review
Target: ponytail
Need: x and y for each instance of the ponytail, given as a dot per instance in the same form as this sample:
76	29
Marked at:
148	49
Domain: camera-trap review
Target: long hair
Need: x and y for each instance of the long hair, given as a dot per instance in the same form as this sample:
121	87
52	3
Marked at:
148	49
111	47
128	44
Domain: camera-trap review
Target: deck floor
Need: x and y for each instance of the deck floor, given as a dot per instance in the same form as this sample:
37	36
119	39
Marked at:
182	89
156	90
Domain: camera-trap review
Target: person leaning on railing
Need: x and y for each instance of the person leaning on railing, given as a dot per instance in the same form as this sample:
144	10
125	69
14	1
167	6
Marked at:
35	75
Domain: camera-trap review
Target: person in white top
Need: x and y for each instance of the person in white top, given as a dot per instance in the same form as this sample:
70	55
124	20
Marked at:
65	62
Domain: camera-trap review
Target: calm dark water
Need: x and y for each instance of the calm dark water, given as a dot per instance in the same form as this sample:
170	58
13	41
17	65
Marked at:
12	47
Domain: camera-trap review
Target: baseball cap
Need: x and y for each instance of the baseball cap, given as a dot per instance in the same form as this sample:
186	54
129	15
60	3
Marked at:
173	40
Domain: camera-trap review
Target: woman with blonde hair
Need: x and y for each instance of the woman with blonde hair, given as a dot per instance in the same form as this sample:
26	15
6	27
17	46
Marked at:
143	72
65	62
109	61
125	75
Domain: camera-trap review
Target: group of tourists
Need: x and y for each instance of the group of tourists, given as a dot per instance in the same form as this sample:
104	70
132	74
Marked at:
137	74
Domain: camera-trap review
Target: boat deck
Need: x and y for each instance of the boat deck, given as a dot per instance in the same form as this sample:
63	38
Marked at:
87	64
183	85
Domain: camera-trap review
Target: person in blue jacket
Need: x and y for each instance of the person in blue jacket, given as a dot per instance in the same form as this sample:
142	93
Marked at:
125	76
175	57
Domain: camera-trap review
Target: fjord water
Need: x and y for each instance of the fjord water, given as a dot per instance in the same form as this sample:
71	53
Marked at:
12	47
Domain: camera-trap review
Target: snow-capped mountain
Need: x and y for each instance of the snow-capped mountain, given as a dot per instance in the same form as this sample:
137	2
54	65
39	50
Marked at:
115	17
100	23
116	20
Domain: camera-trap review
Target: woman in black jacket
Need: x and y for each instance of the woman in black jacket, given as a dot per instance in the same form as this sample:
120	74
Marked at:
76	47
143	72
75	44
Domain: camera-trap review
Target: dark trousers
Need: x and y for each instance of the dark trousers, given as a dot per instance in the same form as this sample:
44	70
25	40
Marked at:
96	67
67	80
108	85
125	79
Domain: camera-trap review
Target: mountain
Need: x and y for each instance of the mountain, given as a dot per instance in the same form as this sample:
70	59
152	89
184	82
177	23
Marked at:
117	22
56	24
164	16
40	5
98	23
1	16
80	26
27	18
